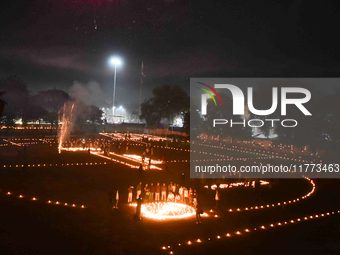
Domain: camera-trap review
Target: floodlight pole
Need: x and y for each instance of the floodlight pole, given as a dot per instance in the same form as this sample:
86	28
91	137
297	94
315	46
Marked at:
114	89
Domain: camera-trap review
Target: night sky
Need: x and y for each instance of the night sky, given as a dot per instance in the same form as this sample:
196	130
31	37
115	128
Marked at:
66	44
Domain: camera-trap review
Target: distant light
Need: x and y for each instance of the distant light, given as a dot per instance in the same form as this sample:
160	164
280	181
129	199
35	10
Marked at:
120	107
115	61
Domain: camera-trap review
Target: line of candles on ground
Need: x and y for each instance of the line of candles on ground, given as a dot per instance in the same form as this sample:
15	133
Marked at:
174	148
263	153
256	207
4	127
128	157
13	143
82	164
159	161
63	164
28	143
33	139
262	227
115	160
235	184
135	136
9	193
163	147
247	150
139	159
192	151
24	143
135	158
281	146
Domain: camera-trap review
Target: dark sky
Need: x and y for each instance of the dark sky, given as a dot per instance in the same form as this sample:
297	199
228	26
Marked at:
56	44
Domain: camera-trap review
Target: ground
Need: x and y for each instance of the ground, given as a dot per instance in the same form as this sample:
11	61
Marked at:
36	227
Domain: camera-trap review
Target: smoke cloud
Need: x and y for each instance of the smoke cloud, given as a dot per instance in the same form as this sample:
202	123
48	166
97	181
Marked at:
89	93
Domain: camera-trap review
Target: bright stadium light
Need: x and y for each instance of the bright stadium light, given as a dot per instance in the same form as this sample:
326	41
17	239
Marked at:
114	61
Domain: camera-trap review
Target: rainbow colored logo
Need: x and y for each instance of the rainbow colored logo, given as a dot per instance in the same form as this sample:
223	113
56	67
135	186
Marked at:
213	90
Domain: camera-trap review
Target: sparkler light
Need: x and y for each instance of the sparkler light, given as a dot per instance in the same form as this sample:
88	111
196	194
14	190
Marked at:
64	127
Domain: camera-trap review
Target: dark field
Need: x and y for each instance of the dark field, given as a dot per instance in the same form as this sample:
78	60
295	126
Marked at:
36	227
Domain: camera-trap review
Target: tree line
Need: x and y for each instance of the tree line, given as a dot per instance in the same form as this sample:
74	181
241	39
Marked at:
16	103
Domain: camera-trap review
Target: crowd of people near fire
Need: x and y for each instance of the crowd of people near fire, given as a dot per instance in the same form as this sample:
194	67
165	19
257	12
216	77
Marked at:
157	193
163	193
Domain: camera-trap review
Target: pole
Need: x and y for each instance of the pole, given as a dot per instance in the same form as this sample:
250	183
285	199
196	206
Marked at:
140	92
114	91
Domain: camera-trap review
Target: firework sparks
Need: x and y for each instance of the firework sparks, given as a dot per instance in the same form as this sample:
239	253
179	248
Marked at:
64	129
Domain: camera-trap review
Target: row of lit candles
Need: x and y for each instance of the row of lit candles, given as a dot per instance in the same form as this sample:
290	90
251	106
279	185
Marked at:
205	137
33	139
256	207
234	146
249	149
264	153
97	152
262	227
193	151
51	165
4	127
136	136
8	193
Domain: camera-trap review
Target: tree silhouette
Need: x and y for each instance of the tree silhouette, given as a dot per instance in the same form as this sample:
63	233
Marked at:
150	113
2	103
167	102
16	98
52	101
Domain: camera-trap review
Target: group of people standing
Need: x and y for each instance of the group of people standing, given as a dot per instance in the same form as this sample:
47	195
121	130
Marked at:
171	193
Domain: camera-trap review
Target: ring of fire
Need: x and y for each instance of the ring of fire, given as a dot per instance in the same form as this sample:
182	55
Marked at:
167	210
